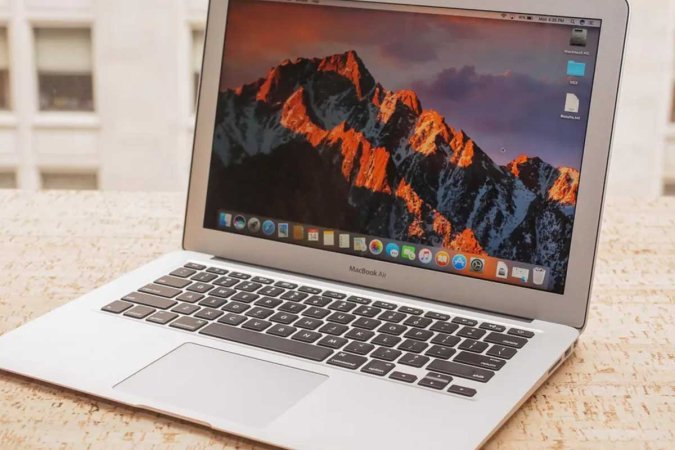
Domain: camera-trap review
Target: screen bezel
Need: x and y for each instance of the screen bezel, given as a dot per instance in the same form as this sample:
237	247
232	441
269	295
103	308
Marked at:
569	308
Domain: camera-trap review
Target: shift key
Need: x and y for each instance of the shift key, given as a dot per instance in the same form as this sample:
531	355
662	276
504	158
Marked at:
149	300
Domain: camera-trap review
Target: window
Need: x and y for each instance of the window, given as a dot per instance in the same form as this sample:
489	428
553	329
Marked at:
197	53
66	180
64	69
4	70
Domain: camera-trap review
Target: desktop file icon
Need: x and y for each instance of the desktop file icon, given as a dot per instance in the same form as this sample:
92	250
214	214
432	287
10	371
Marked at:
576	69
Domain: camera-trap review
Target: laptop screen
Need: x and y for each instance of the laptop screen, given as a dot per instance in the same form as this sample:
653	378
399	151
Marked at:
444	139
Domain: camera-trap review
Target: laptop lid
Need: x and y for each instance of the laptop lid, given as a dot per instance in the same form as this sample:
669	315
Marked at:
450	150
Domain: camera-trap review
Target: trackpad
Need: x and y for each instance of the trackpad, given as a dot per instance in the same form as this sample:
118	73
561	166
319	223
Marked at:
222	384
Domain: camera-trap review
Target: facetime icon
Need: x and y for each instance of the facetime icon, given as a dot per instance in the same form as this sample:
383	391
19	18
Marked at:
571	103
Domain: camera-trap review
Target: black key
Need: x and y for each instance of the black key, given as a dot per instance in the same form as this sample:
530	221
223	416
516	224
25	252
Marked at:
262	280
269	302
259	313
172	282
200	287
419	335
359	335
309	290
162	291
340	318
410	310
437	316
384	305
271	291
317	313
347	360
367	311
472	333
294	296
473	346
236	307
502	352
226	282
209	314
492	327
190	297
306	336
186	309
401	376
183	272
213	302
162	317
248	286
216	270
267	342
308	323
392	328
413	346
222	292
464	321
204	277
117	307
285	285
341	305
438	351
367	324
386	340
521	333
245	297
195	266
410	359
474	359
285	318
433	383
417	322
445	340
256	324
461	370
240	275
392	316
149	300
387	354
444	327
232	319
503	339
332	342
282	330
461	390
188	323
359	300
334	329
360	348
378	368
335	295
291	307
317	301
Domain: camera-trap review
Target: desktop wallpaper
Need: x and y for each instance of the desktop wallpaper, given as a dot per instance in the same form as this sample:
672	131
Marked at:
439	130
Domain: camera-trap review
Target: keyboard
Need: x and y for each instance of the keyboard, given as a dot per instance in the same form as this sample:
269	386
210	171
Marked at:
396	342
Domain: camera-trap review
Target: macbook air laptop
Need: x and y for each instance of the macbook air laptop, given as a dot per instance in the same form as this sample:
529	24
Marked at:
391	226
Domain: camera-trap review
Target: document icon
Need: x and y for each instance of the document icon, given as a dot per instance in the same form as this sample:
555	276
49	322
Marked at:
571	103
576	69
538	275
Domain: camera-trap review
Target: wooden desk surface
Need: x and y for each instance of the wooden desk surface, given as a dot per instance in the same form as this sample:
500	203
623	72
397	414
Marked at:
616	391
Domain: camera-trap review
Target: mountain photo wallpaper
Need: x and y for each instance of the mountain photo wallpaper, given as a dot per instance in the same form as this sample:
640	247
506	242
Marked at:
438	130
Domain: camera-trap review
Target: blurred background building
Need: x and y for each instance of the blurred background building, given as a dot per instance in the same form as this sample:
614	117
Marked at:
100	94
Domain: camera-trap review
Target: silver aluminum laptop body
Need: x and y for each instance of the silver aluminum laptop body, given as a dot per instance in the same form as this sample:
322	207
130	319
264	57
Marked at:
301	394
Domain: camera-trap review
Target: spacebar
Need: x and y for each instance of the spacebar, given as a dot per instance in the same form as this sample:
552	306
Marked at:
266	341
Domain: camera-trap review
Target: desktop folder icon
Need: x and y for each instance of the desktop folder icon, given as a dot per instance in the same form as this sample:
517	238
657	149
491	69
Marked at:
576	69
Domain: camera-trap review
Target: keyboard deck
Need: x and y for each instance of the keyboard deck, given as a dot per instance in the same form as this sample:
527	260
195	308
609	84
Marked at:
398	342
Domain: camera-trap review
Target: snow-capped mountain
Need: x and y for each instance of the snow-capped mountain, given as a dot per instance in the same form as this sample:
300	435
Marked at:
343	152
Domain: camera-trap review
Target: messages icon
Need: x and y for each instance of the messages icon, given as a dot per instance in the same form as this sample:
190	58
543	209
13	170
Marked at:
576	69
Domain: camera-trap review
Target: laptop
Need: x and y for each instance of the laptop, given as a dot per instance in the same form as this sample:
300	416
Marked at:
391	226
